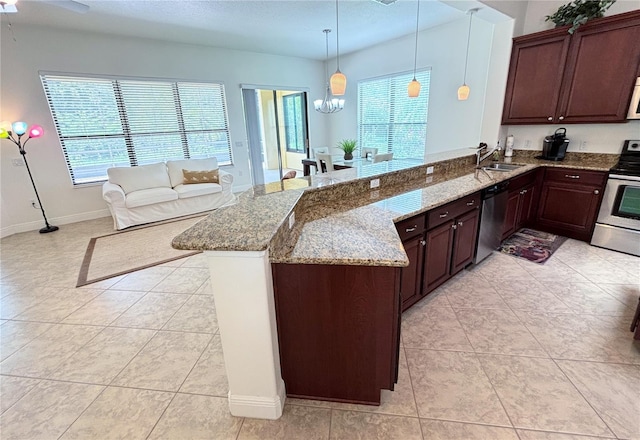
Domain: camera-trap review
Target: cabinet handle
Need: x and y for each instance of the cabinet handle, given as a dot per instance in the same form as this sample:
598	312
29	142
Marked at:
596	192
524	191
561	118
411	229
550	118
454	226
423	243
575	176
471	203
459	223
444	215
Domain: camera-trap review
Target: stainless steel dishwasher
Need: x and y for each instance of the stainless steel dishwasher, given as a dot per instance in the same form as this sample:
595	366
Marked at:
494	208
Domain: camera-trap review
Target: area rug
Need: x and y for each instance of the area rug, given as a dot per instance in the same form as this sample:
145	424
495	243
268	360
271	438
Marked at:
133	249
532	245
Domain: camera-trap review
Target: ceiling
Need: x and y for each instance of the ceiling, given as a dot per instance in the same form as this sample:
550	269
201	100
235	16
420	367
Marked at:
292	28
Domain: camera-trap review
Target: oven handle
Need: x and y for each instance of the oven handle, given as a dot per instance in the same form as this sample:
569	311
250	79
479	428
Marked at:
623	177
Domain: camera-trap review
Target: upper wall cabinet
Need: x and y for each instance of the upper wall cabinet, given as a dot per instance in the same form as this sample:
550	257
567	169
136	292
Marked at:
587	77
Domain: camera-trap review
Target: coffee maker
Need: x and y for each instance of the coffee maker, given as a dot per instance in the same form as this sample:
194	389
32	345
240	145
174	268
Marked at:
554	147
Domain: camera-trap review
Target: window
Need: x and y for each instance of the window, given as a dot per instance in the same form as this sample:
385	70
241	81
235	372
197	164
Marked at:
391	121
106	122
294	122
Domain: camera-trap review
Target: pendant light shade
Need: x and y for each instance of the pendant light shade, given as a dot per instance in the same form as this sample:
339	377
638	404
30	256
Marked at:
414	86
338	80
328	104
464	90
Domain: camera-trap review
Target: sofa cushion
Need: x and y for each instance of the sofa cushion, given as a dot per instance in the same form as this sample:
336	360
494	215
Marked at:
175	168
197	189
191	177
145	197
141	177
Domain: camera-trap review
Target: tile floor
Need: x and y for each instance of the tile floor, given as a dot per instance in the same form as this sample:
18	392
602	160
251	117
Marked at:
507	350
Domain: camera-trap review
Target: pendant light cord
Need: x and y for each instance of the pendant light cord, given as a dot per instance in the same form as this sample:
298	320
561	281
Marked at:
466	60
326	62
337	39
415	55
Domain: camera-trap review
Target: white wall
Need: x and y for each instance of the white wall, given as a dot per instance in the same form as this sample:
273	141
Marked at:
22	98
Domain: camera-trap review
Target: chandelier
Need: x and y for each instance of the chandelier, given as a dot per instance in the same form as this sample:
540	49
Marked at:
328	104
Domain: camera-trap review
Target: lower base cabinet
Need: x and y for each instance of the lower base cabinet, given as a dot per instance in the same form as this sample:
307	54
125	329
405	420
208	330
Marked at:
338	330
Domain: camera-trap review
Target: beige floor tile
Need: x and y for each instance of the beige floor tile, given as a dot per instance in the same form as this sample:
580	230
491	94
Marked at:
151	311
100	361
530	296
209	375
442	430
105	308
498	331
589	299
183	280
198	260
613	390
537	395
13	388
15	303
47	410
198	314
431	327
16	334
541	435
104	284
205	289
452	386
503	267
41	357
165	361
352	425
551	271
296	423
625	293
476	298
56	307
197	417
143	280
120	413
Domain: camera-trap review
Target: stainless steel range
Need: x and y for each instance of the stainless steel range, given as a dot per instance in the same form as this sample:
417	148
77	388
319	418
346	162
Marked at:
618	224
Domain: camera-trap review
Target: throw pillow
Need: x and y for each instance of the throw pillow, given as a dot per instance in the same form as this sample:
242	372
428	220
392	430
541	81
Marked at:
209	176
290	175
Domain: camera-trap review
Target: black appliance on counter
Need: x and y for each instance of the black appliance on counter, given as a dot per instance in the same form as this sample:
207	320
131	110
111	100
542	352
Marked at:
554	147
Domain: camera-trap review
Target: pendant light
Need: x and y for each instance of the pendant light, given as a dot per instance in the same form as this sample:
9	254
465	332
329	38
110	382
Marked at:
338	80
328	104
414	85
463	90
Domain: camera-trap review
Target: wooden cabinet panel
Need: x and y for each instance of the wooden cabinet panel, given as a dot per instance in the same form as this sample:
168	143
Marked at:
411	227
438	256
452	210
527	211
464	242
411	276
511	216
574	176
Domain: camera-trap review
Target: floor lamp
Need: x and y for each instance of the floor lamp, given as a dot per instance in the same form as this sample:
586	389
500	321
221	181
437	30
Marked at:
14	133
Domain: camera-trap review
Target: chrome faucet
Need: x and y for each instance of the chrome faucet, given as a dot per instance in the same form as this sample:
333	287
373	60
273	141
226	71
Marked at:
482	146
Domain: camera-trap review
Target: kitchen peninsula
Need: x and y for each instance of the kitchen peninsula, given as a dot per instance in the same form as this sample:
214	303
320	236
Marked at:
306	267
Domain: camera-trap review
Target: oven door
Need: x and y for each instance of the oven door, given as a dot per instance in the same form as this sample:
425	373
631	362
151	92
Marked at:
621	202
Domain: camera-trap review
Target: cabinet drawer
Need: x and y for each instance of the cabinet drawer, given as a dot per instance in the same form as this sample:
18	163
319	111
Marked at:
517	183
451	210
578	177
411	227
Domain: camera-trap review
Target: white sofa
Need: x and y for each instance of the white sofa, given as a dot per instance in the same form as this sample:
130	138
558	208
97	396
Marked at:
150	193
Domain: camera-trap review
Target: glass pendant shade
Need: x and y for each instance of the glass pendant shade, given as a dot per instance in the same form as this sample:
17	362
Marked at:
463	92
3	133
414	88
35	131
9	2
19	128
338	83
5	125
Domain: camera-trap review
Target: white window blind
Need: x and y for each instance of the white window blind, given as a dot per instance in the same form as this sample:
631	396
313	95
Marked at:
105	122
391	121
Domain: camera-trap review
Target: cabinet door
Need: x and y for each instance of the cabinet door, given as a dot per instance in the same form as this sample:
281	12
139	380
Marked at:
437	256
601	71
526	210
511	216
535	76
464	241
411	278
568	210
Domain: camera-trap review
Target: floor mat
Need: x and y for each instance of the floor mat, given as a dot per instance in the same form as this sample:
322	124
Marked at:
532	245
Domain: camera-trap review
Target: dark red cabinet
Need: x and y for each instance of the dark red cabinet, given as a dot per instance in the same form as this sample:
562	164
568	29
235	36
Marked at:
439	248
588	77
411	278
522	202
464	241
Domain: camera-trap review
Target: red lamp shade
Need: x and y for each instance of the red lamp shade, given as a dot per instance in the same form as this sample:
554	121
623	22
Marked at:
35	131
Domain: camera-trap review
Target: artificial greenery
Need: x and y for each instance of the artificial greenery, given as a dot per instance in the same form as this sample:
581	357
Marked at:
579	12
347	145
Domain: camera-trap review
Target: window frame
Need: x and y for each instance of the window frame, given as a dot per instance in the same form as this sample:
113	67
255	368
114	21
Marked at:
302	126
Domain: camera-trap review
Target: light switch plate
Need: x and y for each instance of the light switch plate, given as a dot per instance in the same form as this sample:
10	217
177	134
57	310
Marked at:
375	183
292	219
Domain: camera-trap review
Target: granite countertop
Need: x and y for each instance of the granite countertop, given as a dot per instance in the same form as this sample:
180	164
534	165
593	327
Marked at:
337	224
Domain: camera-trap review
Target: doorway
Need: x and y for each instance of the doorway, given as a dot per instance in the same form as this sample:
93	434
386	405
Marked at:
277	131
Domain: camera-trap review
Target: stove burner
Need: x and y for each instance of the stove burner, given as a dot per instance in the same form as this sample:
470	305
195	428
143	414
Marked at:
629	162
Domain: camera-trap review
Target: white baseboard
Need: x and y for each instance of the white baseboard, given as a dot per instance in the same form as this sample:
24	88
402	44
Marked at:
64	220
258	407
237	189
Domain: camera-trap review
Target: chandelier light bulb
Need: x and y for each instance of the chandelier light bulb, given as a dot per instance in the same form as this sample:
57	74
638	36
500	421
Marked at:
19	128
35	131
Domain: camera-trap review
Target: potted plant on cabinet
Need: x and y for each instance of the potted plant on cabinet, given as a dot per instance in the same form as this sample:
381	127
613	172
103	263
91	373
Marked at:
348	146
579	12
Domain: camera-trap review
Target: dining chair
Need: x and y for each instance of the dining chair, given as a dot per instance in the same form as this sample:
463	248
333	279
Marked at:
328	163
382	157
316	150
367	150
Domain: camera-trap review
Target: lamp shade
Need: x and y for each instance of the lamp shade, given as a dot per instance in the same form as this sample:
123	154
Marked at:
9	2
338	83
35	131
414	88
19	128
3	133
463	92
5	125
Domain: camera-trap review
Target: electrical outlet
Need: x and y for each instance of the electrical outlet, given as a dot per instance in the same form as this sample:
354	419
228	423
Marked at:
583	146
17	162
429	170
375	183
527	144
374	195
292	219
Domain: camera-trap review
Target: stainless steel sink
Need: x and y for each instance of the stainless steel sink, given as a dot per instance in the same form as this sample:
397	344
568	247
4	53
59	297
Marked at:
501	167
